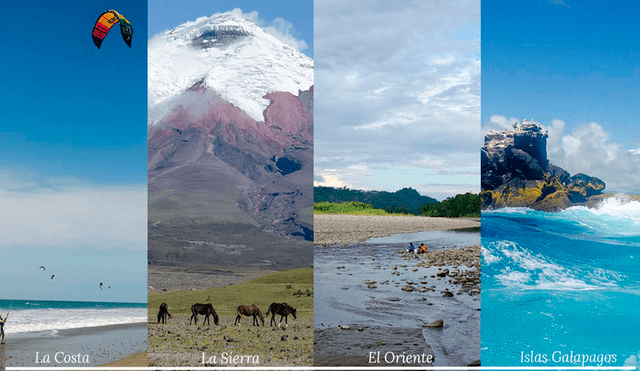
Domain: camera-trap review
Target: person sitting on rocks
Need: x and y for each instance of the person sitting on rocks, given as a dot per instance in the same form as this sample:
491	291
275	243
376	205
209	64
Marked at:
411	248
422	249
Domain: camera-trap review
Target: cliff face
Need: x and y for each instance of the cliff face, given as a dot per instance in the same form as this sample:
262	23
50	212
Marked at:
517	173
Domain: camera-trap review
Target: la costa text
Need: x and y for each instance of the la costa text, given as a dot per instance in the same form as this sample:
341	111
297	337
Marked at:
61	358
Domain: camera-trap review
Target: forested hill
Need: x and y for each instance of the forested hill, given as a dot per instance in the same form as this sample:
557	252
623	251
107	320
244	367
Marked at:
406	200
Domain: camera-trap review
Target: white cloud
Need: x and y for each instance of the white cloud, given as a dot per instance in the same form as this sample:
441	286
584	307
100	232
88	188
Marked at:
67	213
588	149
329	180
428	161
279	28
498	123
397	87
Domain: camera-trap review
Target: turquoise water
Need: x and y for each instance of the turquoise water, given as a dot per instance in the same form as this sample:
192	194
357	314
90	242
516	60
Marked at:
561	289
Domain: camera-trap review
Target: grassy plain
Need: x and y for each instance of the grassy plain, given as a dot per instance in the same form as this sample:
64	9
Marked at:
180	344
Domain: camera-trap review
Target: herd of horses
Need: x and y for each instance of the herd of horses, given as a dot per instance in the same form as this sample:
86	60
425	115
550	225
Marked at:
282	309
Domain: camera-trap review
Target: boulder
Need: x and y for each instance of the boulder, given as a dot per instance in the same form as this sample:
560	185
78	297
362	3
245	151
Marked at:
517	173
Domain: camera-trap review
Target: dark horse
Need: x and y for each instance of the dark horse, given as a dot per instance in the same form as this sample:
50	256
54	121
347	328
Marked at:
206	309
163	313
283	309
249	310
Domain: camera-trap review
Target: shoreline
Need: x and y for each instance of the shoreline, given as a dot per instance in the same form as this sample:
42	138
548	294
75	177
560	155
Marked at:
341	229
95	345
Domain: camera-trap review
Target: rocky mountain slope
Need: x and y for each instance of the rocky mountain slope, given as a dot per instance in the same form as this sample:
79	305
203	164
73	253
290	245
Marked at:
229	186
517	173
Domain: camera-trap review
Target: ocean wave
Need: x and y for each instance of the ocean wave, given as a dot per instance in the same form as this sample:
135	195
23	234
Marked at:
617	216
53	320
517	267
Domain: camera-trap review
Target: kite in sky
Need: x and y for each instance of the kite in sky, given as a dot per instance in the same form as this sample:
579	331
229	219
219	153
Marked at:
104	24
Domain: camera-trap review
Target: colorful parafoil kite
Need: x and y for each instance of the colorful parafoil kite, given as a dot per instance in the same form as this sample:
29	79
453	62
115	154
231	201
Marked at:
104	24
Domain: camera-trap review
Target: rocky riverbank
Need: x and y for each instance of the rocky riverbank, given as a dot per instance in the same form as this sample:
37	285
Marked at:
377	297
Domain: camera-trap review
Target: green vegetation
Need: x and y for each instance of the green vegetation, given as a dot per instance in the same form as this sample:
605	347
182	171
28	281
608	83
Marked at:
404	201
351	208
466	205
261	291
328	200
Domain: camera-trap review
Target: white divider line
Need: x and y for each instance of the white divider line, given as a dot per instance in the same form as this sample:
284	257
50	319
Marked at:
318	368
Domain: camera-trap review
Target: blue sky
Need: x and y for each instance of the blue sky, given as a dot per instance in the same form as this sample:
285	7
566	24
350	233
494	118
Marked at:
574	67
397	96
297	15
73	150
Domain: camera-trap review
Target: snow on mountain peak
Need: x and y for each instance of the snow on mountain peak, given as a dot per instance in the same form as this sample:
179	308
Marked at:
230	55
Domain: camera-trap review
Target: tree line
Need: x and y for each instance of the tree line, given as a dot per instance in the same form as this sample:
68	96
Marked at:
404	201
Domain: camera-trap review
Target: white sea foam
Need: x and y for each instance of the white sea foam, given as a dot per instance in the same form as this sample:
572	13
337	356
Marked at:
633	361
53	320
617	216
488	257
522	268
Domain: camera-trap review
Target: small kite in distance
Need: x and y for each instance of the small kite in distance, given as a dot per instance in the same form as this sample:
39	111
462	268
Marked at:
53	275
42	266
104	24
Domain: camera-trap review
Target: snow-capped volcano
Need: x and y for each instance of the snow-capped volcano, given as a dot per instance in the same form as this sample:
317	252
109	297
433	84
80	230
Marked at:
229	55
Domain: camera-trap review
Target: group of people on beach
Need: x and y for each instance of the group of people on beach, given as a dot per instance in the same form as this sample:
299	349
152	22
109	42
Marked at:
417	250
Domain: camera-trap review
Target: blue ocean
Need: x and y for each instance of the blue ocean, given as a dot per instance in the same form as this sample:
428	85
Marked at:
31	316
561	289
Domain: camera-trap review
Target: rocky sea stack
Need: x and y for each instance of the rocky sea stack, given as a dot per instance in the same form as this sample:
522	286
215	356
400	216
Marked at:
517	173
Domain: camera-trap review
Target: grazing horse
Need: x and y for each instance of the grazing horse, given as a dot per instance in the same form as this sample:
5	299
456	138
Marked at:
163	313
206	309
283	309
249	310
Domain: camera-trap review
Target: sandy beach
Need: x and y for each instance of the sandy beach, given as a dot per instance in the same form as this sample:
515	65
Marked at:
343	229
102	345
136	360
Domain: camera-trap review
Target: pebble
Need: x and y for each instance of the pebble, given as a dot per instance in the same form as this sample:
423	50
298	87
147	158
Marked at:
436	323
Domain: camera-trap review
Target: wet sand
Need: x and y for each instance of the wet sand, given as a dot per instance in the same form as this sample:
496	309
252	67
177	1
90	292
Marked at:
378	346
97	345
136	360
343	229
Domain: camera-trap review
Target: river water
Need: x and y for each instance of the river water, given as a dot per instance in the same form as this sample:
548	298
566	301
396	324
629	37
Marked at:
343	298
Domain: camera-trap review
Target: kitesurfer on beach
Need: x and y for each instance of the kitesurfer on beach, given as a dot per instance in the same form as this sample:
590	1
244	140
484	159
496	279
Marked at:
2	322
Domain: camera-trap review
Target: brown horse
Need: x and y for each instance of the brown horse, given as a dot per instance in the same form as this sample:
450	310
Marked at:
249	310
164	313
206	310
283	309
